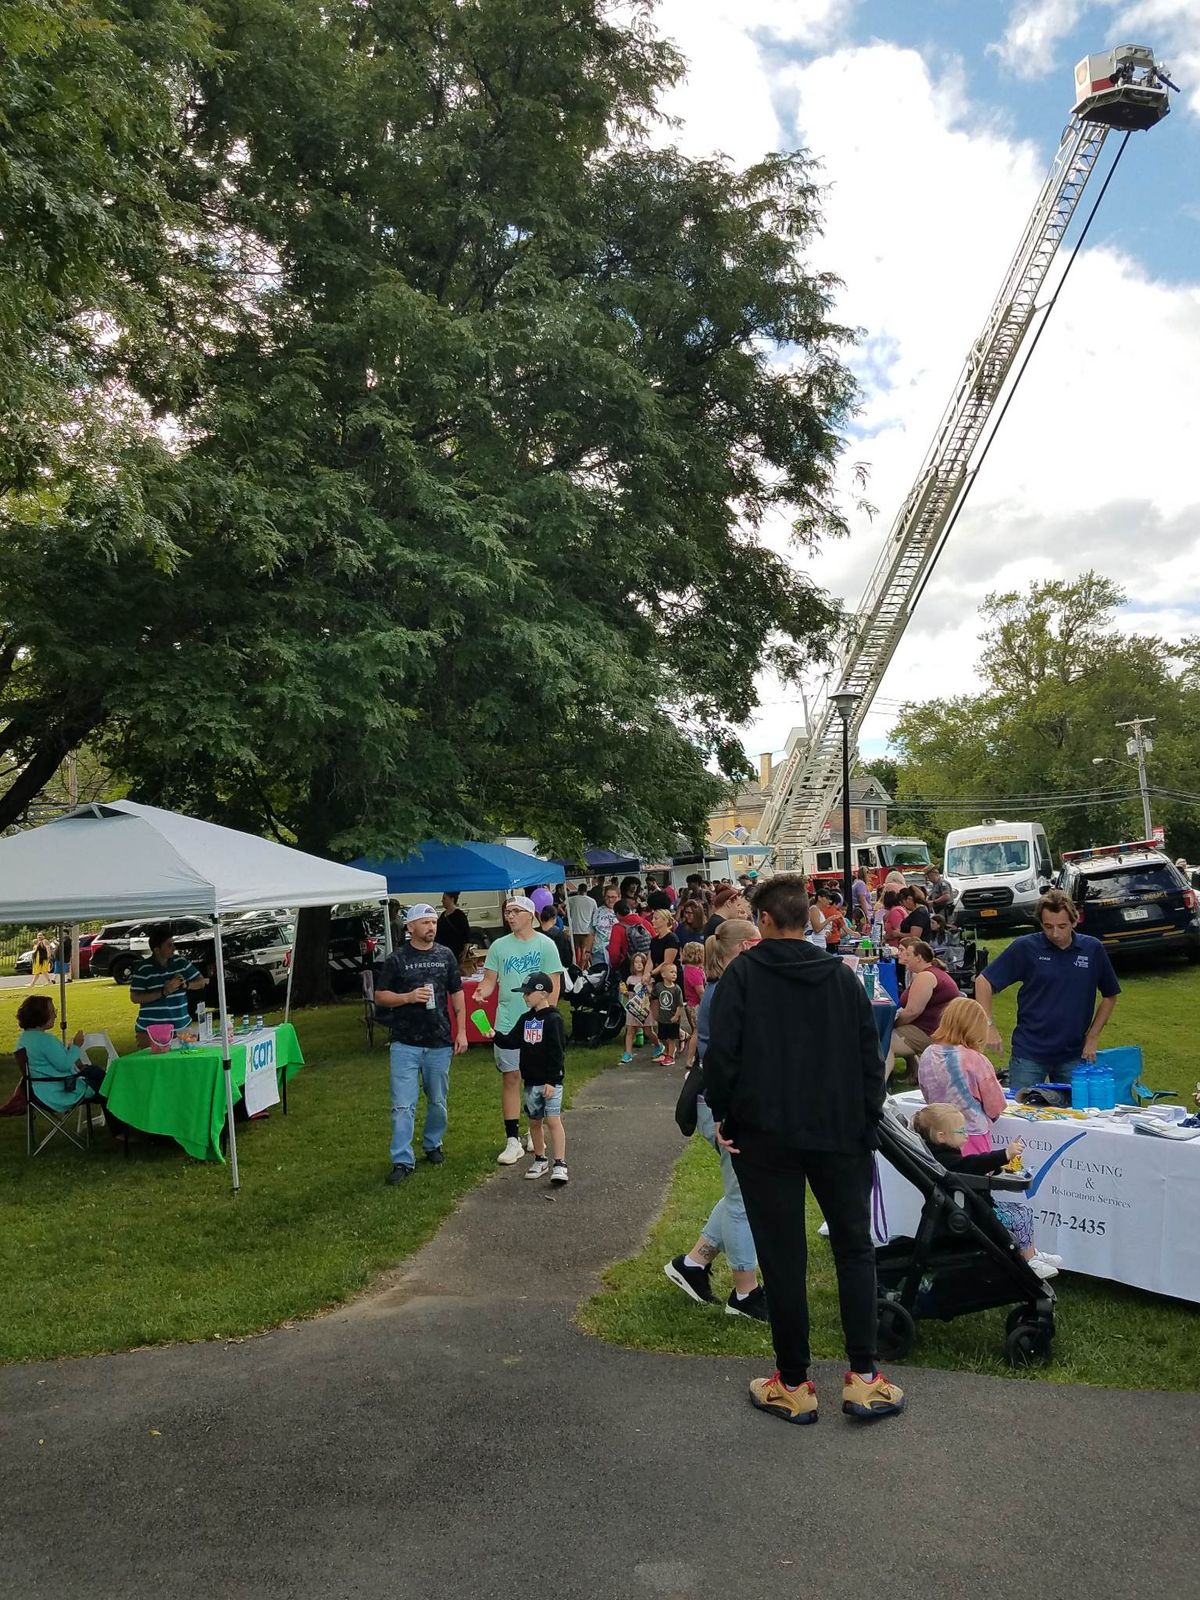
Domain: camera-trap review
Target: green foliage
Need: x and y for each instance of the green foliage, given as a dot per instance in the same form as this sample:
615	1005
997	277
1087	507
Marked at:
1059	676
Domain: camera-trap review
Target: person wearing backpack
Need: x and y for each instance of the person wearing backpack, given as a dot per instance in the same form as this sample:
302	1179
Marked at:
631	936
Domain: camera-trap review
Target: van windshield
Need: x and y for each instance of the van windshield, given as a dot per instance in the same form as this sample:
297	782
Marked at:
987	859
915	854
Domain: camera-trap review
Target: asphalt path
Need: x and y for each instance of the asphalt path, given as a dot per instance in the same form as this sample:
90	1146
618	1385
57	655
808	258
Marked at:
453	1434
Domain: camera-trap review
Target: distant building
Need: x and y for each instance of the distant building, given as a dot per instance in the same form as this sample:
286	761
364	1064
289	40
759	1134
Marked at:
869	801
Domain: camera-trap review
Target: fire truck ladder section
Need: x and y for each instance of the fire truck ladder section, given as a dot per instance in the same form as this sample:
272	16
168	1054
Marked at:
810	782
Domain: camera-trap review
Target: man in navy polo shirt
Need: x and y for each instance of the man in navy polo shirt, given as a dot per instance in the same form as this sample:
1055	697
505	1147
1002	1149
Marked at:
1060	973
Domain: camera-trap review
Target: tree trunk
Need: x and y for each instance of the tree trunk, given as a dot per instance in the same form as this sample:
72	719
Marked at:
310	958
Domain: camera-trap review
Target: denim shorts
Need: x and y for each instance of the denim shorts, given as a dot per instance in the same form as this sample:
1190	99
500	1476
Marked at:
507	1060
538	1104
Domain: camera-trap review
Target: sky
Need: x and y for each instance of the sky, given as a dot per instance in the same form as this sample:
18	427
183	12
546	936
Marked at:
934	123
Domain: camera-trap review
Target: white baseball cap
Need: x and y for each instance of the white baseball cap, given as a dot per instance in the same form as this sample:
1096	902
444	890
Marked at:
522	903
415	913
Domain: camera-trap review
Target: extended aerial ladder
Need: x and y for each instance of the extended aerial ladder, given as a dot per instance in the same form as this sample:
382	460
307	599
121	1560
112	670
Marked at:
1121	88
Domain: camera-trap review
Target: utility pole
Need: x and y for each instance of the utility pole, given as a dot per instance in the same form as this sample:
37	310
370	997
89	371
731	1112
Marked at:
1137	745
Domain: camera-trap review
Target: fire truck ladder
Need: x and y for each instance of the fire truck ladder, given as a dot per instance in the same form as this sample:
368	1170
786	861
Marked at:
810	782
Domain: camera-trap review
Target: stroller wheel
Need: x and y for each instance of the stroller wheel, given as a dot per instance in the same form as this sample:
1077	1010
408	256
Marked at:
1027	1344
896	1330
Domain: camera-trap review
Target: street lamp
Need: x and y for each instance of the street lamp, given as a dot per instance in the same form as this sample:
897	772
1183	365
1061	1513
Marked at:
1138	766
845	700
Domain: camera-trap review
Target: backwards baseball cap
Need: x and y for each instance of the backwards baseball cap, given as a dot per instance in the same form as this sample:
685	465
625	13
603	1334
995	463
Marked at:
415	913
522	903
537	983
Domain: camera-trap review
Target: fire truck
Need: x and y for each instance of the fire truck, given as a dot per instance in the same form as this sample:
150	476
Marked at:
882	855
1122	89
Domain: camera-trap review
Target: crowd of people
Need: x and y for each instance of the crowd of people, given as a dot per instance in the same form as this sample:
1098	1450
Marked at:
747	986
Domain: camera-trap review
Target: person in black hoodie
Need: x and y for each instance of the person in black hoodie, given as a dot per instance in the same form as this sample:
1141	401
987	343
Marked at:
794	1078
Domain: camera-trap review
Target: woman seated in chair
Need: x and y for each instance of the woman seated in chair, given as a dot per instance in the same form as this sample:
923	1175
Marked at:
61	1075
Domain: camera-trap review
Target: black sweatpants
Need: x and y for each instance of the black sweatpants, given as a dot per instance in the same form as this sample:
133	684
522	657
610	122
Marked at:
773	1179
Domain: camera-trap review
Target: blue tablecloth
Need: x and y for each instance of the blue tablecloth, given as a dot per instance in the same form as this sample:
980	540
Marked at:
884	1011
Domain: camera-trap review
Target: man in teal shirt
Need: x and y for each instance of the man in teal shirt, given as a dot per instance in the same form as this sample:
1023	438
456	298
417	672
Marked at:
522	952
159	987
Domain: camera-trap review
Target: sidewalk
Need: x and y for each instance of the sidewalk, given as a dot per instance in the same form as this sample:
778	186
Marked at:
454	1435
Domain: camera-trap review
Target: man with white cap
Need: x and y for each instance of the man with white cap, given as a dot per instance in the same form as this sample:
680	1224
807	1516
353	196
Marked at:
418	981
510	960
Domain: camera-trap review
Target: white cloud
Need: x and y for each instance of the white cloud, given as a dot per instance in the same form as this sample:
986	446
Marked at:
1095	465
1028	45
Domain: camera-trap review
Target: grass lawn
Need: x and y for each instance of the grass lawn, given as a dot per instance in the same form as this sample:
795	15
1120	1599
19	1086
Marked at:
1107	1334
102	1253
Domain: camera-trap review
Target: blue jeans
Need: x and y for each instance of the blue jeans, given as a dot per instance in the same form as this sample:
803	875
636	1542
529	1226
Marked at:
727	1228
1025	1074
411	1066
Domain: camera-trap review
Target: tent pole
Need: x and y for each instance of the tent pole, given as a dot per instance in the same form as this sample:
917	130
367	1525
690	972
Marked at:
62	985
226	1063
387	926
287	999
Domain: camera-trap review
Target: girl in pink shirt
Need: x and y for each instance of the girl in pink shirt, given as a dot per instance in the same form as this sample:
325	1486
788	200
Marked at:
954	1071
693	989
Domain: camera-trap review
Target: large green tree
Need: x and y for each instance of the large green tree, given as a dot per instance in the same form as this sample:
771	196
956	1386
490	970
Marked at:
1058	676
100	268
483	454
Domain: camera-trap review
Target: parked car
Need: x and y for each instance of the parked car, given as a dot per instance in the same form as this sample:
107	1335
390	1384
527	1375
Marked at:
1132	897
256	959
121	946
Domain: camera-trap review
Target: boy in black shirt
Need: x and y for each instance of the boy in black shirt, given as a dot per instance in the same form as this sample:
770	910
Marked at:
669	997
541	1038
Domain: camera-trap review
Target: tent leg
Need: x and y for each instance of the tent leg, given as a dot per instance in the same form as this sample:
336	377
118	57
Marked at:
287	999
387	926
62	986
226	1063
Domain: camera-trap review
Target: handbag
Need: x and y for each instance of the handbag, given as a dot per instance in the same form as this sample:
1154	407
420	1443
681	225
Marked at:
685	1106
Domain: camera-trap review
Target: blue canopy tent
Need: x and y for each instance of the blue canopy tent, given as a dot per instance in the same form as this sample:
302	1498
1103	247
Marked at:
434	867
595	861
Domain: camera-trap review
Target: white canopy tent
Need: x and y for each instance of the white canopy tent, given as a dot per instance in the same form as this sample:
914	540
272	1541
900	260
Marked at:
121	859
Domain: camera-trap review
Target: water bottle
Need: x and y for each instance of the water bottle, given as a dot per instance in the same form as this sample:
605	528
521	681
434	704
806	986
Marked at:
202	1021
245	1028
258	1023
1080	1088
1106	1088
868	978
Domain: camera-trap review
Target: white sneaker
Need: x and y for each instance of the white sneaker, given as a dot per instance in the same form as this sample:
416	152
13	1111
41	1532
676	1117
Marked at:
511	1153
559	1172
1044	1255
527	1142
1043	1268
538	1167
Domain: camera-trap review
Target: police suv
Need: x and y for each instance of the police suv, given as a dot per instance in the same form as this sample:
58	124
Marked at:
1132	897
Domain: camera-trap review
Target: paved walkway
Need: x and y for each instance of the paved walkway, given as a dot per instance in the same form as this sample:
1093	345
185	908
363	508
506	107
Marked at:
455	1435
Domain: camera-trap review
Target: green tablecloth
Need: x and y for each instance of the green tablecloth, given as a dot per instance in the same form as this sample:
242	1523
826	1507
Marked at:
180	1093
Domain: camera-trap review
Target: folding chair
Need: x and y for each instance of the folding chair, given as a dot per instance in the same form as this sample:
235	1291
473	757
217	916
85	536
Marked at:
368	993
58	1120
97	1041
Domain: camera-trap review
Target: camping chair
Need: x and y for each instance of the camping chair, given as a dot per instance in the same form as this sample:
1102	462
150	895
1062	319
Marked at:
369	1017
58	1120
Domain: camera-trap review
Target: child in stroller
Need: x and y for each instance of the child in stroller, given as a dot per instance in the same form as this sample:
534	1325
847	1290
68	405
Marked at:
943	1128
962	1258
597	1014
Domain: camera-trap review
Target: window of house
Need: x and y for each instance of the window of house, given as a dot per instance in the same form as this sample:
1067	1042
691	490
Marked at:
873	819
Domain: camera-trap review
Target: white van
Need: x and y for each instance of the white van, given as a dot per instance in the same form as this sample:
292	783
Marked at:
996	870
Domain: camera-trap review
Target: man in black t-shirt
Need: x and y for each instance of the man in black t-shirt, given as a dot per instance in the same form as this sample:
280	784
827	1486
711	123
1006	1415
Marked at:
419	982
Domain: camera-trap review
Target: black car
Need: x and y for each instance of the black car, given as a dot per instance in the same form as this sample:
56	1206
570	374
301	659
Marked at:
1132	897
256	960
119	947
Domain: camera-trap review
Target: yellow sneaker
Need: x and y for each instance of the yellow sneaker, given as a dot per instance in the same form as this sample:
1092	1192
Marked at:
793	1405
879	1398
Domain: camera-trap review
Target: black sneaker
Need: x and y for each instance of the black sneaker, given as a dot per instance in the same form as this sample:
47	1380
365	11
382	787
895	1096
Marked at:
754	1305
435	1157
398	1174
694	1281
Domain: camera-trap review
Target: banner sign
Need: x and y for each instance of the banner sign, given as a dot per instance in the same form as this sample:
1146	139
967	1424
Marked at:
1112	1203
262	1083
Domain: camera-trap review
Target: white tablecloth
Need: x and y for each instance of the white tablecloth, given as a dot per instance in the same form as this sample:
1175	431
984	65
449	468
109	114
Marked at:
1112	1203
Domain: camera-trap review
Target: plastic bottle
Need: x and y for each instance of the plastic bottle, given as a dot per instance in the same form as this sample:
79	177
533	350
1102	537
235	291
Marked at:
258	1023
245	1027
868	977
1080	1088
202	1025
1106	1089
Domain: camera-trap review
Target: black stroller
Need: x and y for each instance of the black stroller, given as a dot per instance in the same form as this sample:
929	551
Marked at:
597	1014
963	1258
